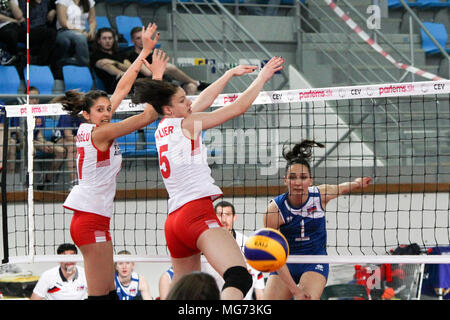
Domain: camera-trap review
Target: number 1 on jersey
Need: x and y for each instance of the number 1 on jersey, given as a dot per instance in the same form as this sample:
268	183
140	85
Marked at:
165	171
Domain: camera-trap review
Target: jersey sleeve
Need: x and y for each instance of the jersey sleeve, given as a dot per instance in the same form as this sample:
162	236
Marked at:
279	202
42	286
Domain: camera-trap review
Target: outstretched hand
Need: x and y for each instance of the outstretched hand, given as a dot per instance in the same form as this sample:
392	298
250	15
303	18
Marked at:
275	64
158	65
147	41
364	181
242	69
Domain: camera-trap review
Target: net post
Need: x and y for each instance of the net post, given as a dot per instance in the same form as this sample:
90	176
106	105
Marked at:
4	192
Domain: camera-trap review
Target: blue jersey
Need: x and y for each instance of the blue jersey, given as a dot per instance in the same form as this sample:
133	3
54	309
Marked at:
130	292
304	227
170	272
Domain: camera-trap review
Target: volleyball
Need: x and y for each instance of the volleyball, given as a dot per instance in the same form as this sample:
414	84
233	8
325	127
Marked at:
266	250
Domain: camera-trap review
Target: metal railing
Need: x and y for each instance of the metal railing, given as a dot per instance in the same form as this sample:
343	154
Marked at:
413	16
236	42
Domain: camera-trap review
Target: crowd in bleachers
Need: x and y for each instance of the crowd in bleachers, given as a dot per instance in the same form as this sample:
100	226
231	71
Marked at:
65	32
67	44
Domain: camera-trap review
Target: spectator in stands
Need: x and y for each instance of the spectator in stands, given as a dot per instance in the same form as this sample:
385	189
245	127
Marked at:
72	36
272	10
44	146
195	286
64	282
42	36
13	133
11	18
67	133
106	60
129	284
226	213
191	86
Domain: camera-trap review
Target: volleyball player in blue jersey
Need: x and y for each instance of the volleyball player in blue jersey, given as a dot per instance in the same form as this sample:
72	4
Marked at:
299	214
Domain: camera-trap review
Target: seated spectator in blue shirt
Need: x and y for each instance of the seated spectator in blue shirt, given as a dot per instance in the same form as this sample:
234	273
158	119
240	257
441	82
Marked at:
68	127
43	147
13	138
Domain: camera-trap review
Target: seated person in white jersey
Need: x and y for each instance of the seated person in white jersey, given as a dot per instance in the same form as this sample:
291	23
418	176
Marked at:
64	282
226	213
192	227
129	284
299	214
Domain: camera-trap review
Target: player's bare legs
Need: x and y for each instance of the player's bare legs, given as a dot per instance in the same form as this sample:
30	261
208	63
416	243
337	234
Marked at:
313	283
182	266
229	255
99	267
276	289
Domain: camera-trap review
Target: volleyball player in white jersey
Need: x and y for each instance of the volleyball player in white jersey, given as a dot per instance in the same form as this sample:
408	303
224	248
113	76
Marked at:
300	216
98	163
192	226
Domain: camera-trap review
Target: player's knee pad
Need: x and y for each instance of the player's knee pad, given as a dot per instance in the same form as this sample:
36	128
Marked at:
112	295
238	277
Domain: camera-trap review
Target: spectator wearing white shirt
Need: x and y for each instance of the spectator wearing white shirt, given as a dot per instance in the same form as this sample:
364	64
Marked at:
72	36
226	214
64	282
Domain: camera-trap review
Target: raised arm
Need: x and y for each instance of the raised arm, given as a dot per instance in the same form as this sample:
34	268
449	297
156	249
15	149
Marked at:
127	80
92	21
61	15
272	218
242	104
158	65
144	289
330	191
207	97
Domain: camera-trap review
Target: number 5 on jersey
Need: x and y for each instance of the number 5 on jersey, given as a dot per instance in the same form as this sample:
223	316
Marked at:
165	170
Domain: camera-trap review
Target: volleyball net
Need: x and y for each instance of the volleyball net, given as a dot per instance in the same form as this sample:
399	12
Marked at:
398	134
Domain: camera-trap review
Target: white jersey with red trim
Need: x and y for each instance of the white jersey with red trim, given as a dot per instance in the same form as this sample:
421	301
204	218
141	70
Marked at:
52	285
184	166
97	171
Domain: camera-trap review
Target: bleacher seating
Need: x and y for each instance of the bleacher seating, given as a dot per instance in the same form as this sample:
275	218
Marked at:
125	24
128	143
41	77
102	22
9	80
420	4
77	77
150	143
98	82
439	33
433	3
50	126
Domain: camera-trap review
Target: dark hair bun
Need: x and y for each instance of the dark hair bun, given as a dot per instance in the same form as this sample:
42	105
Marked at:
302	150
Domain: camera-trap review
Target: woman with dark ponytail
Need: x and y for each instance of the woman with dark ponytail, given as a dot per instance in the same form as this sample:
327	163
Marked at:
98	162
299	214
192	226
